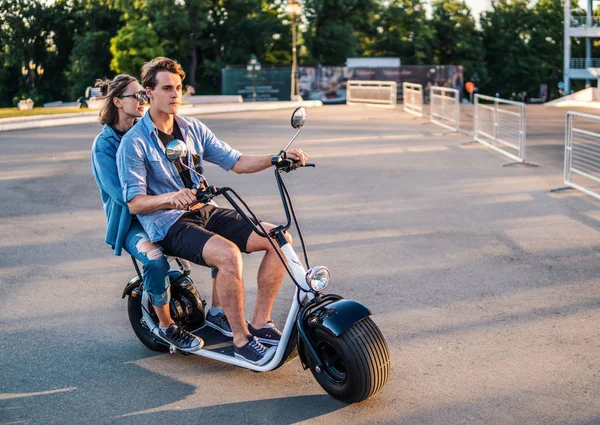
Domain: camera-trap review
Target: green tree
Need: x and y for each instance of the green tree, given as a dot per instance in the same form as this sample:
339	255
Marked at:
134	44
178	25
457	40
512	61
93	27
547	40
26	35
336	28
90	59
402	30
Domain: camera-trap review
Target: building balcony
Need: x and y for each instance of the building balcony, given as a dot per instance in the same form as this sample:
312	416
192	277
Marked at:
583	63
578	68
584	26
582	21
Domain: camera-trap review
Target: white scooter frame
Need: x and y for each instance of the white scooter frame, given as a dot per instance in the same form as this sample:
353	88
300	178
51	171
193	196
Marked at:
299	274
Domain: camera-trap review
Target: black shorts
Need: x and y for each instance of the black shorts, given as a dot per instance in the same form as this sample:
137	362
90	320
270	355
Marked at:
188	235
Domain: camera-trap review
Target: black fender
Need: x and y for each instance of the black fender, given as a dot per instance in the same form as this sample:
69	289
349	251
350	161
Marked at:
131	285
331	313
335	317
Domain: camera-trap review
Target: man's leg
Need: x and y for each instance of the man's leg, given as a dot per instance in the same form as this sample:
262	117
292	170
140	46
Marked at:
220	253
270	276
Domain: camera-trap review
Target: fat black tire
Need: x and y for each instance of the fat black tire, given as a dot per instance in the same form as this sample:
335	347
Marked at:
363	365
134	310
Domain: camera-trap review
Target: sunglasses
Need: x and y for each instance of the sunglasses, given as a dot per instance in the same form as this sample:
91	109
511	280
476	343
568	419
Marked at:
139	96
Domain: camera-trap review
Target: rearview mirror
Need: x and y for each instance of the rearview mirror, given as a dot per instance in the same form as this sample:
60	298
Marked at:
176	149
298	117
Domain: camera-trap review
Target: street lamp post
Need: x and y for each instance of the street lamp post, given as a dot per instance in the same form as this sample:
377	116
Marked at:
294	10
30	72
253	67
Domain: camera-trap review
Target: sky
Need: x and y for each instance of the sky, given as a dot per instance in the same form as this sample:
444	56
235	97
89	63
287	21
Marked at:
478	6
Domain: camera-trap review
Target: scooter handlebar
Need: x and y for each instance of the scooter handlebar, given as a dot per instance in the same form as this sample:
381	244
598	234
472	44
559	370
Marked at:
283	163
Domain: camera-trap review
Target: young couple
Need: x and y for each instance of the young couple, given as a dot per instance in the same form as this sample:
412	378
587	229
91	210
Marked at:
146	196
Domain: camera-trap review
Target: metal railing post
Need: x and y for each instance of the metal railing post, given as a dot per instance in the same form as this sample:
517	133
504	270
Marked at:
475	102
494	126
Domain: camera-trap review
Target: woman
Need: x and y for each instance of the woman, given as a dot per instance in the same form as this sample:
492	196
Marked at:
124	104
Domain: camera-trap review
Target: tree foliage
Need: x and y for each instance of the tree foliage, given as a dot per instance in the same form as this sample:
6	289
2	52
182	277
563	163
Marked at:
134	44
402	30
516	47
457	40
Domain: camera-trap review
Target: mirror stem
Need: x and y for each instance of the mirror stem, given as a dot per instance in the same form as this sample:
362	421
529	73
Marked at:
192	170
292	141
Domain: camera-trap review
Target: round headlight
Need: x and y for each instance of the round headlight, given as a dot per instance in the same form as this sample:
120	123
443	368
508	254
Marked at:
317	278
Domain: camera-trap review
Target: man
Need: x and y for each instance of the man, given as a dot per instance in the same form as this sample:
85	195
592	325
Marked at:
159	192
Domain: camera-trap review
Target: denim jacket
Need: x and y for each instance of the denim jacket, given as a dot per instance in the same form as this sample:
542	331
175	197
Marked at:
104	167
145	169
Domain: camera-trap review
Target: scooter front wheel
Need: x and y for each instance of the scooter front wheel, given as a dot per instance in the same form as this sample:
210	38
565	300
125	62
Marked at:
357	362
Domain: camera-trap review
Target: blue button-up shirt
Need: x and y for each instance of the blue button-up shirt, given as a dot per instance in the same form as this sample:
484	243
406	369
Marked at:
144	167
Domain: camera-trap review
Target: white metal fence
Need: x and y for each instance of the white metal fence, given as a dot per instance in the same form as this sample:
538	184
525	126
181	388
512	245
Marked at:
500	125
582	154
412	95
371	92
444	108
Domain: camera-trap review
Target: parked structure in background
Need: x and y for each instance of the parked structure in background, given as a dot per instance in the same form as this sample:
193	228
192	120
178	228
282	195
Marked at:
587	27
373	62
328	83
382	93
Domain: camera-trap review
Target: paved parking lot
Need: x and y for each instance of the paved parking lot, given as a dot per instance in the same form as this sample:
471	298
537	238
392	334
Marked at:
484	283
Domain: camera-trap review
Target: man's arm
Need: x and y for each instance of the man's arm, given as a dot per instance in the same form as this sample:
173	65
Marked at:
254	163
132	175
147	204
220	153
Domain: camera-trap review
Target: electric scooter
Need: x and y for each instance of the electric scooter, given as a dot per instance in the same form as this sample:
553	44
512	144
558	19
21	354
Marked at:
333	336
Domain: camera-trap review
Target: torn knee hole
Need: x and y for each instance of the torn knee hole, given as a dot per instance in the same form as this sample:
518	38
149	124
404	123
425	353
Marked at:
152	251
155	254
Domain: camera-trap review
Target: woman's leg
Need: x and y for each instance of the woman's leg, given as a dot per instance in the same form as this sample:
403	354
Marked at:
155	267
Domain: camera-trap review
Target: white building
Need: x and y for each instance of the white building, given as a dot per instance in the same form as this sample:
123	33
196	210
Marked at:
587	27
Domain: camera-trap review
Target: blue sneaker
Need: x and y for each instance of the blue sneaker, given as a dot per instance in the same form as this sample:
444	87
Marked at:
254	352
219	322
181	339
268	334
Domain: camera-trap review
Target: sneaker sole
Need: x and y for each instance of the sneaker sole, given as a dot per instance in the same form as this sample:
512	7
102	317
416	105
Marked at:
261	362
215	327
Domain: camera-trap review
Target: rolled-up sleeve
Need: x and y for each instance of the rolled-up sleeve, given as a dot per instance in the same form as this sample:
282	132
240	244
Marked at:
132	168
217	151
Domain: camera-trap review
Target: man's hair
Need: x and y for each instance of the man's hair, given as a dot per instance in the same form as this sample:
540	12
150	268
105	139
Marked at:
110	89
156	65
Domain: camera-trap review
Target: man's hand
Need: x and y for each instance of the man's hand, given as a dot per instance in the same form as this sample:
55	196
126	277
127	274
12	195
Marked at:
297	155
182	199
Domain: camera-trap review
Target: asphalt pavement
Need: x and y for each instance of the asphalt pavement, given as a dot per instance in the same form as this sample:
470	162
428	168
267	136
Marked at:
484	284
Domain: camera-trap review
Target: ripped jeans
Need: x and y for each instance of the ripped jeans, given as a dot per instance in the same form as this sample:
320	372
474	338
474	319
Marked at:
154	264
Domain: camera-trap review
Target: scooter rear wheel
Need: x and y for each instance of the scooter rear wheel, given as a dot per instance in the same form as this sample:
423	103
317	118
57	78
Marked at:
134	311
358	361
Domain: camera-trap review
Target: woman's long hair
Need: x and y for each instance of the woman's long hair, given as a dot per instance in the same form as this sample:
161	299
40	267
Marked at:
110	89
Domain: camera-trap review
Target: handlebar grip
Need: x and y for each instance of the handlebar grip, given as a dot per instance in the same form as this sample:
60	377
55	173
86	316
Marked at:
195	205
